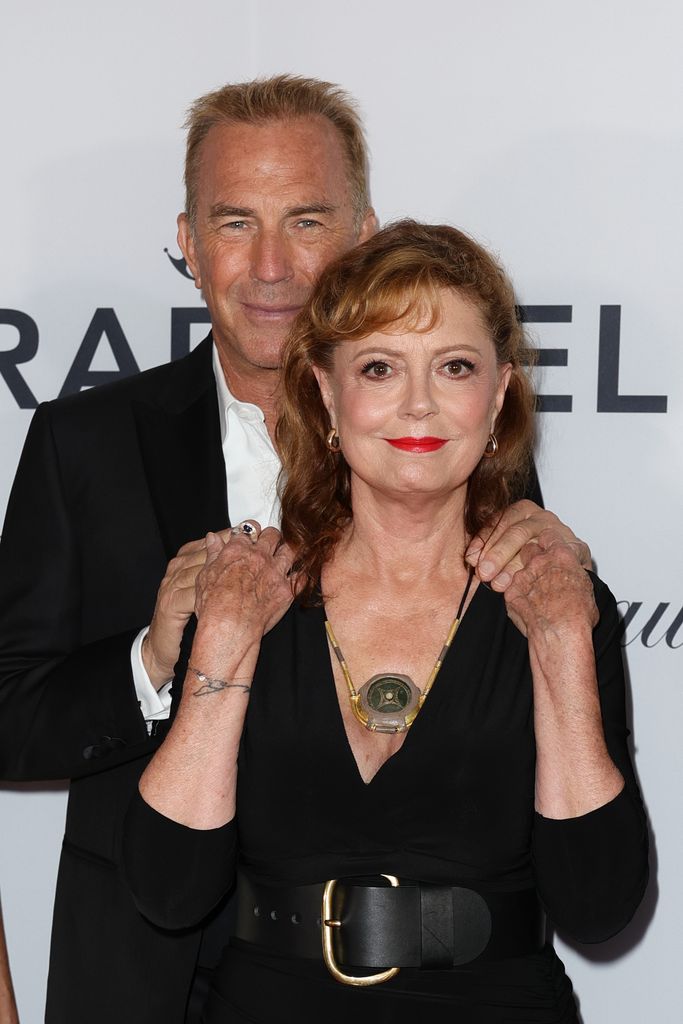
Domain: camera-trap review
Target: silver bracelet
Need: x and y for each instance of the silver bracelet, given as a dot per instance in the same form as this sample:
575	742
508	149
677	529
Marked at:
215	685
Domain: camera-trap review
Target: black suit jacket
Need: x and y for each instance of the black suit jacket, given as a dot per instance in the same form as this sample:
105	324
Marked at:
110	484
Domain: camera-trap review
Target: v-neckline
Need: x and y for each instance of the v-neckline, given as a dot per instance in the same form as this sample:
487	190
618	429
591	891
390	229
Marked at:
437	688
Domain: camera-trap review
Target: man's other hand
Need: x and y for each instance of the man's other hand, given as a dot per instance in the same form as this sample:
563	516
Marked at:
174	605
498	553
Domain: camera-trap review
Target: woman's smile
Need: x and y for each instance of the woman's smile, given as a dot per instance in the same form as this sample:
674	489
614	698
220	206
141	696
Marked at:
417	444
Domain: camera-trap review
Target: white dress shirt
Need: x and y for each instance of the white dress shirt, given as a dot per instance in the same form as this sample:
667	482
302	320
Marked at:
251	471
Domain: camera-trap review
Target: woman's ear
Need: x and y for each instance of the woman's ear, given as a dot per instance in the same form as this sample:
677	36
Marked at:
325	393
504	374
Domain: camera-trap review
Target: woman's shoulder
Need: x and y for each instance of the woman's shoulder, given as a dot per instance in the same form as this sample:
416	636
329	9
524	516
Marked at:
604	598
609	628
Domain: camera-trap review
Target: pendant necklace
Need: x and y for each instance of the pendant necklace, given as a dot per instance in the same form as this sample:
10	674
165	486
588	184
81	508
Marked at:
390	701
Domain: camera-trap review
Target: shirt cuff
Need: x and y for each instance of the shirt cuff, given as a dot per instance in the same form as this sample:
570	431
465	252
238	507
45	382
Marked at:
155	705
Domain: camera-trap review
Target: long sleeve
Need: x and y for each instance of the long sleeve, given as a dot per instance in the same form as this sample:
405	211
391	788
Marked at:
67	702
591	871
177	874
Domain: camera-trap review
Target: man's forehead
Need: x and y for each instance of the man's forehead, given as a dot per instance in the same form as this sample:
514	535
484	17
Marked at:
300	161
282	141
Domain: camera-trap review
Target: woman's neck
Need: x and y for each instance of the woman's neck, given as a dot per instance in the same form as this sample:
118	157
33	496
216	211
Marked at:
403	538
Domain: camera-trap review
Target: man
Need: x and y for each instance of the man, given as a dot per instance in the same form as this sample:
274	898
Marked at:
115	481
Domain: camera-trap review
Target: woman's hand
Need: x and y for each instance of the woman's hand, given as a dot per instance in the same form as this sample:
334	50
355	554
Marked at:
551	601
552	595
242	591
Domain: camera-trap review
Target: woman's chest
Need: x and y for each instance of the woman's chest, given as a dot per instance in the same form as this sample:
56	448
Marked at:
467	762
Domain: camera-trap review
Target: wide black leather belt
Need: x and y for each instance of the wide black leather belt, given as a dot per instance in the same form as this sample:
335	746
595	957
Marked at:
387	924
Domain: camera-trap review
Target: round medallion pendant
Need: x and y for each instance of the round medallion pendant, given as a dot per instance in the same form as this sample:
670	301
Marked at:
387	699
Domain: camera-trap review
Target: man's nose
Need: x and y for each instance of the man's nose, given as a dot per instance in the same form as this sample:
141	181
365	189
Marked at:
270	258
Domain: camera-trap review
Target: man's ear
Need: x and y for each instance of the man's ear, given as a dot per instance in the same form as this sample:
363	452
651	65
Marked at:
369	226
325	393
187	247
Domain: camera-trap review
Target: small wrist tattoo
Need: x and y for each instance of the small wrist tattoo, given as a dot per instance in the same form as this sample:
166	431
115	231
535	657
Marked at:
210	685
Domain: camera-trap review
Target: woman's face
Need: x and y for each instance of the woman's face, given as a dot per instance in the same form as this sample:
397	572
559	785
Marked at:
414	409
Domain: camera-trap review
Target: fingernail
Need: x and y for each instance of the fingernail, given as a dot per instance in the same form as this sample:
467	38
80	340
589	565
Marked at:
501	581
486	569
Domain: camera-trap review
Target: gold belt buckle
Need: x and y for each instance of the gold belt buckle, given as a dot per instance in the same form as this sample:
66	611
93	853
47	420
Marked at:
329	924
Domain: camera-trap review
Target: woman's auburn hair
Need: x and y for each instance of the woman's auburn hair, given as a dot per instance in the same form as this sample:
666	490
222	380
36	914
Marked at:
393	279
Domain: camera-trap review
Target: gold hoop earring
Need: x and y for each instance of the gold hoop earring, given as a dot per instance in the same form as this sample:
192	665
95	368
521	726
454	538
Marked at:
491	447
332	441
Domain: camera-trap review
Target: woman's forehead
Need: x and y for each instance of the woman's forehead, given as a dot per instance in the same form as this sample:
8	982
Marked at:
436	311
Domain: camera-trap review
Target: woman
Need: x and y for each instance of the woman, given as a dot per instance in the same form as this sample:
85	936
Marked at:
475	788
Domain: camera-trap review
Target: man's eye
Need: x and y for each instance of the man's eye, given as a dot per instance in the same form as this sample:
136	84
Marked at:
459	367
377	368
308	223
235	225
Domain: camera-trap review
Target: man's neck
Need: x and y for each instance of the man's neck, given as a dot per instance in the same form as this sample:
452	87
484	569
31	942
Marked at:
256	385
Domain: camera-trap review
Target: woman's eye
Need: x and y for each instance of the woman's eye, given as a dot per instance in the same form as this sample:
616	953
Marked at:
459	367
377	369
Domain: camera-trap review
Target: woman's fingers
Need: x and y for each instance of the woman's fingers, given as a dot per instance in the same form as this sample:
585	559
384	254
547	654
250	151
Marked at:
552	592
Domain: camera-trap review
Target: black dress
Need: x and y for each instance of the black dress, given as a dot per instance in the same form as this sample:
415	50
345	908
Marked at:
454	805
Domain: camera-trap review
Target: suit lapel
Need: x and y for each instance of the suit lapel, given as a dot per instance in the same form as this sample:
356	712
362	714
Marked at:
180	443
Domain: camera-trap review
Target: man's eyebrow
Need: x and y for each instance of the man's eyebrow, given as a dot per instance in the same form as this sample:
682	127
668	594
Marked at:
223	210
220	210
304	211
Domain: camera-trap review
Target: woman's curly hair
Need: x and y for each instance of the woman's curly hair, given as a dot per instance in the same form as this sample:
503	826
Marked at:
396	277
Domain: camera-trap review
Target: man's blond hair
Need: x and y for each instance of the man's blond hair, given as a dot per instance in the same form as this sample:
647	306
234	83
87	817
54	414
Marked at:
279	98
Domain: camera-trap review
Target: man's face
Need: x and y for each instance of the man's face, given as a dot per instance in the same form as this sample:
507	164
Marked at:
273	209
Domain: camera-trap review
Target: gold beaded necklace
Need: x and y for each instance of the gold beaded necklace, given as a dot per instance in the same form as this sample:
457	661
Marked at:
390	701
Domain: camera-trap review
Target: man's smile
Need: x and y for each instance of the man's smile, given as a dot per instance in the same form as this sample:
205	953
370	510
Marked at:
255	311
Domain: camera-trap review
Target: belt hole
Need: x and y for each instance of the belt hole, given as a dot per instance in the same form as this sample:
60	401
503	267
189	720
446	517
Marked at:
273	915
256	911
296	918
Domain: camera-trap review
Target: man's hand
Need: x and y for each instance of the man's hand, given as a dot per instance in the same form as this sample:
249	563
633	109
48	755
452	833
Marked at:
497	554
174	605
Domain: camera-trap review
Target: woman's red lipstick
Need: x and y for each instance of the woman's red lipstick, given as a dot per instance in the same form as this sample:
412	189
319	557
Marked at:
417	444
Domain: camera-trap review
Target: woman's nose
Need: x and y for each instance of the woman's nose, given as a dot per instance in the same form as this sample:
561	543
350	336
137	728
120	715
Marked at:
418	399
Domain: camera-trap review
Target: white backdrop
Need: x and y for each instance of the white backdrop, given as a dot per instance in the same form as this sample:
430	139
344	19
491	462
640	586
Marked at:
550	130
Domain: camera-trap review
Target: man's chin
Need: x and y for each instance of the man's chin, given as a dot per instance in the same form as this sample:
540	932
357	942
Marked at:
250	349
